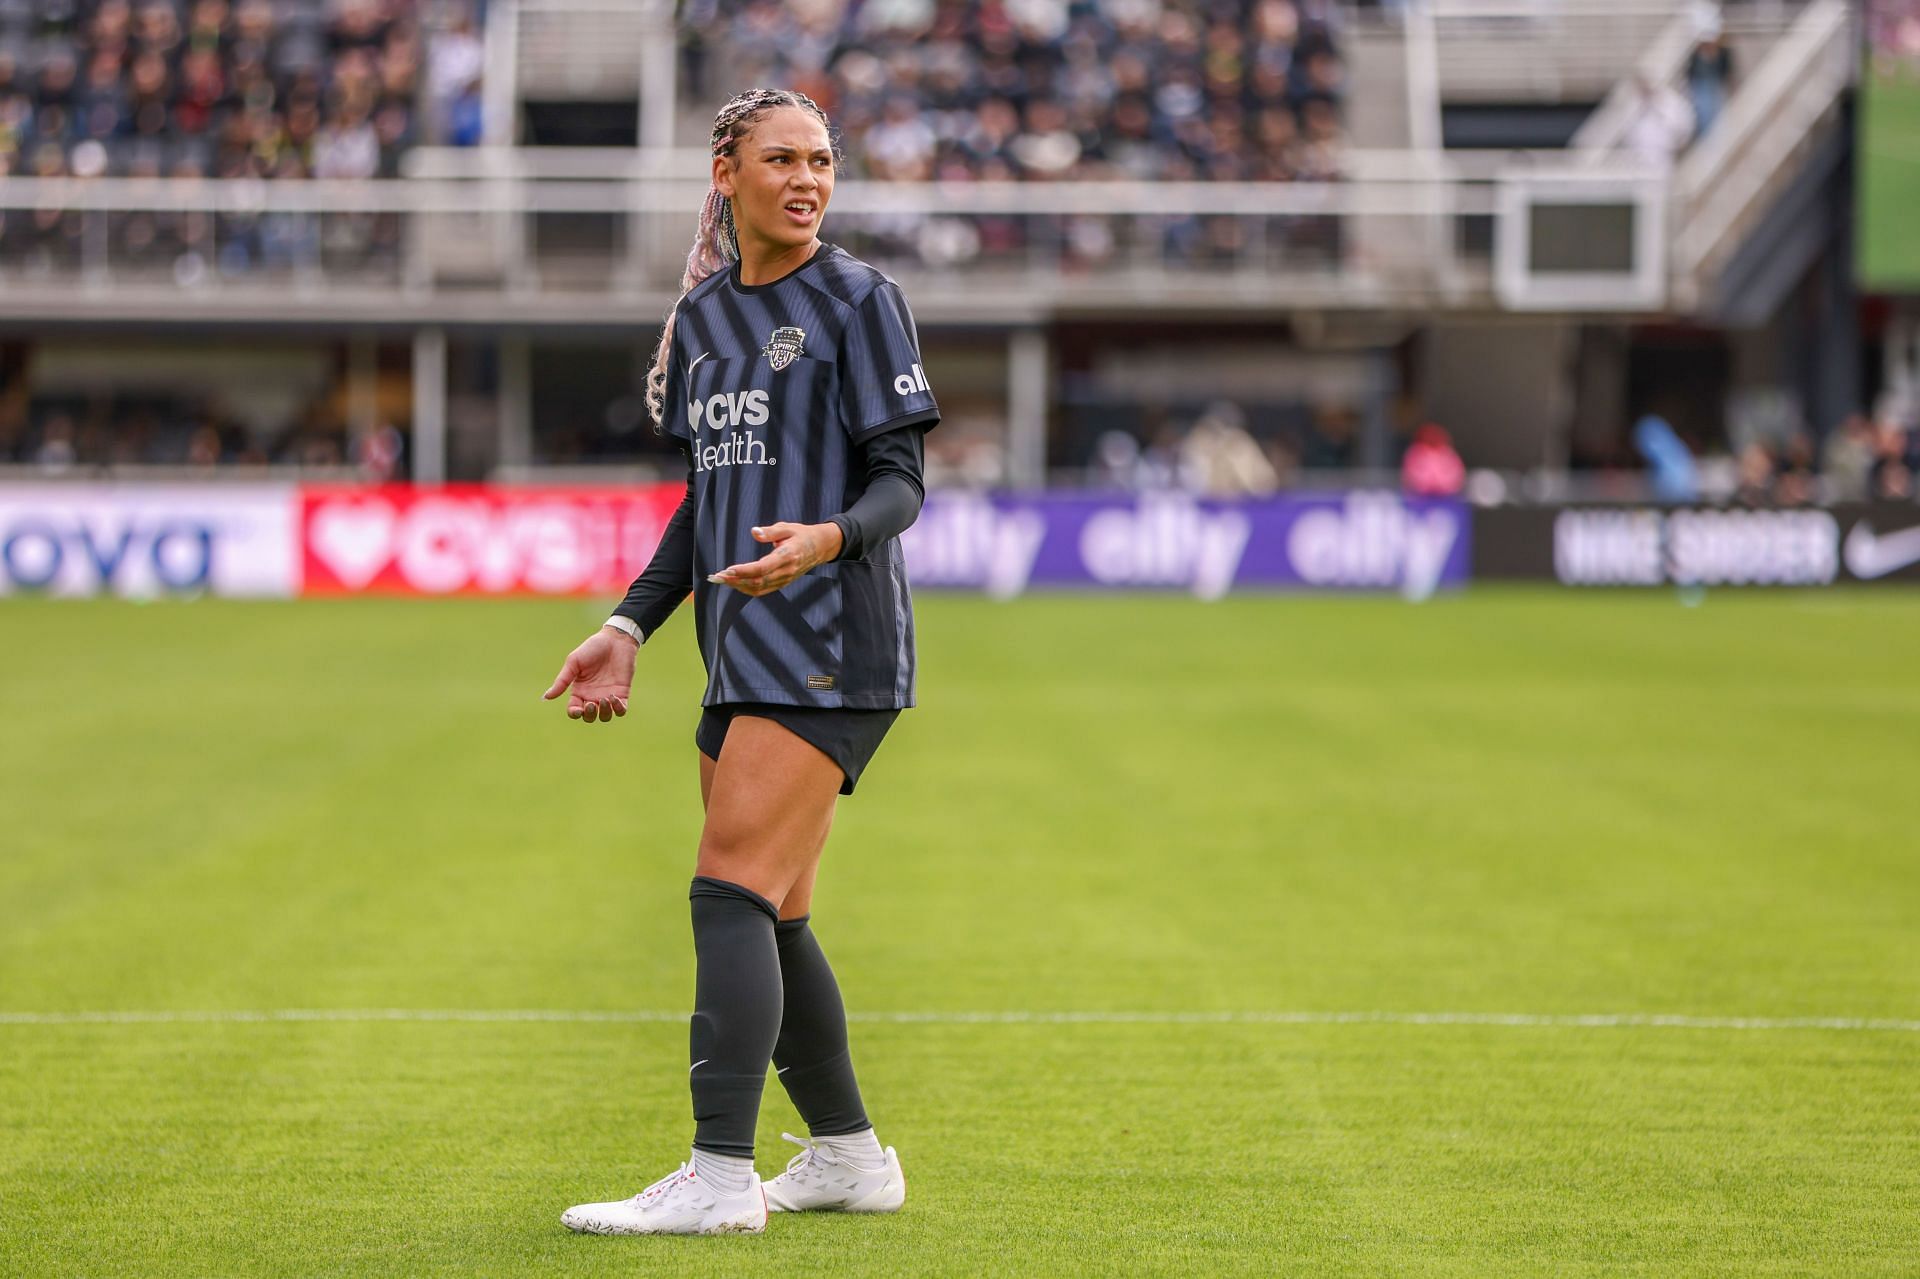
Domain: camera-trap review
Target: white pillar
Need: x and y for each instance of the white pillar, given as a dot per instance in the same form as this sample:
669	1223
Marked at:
1028	357
430	406
515	440
499	87
659	76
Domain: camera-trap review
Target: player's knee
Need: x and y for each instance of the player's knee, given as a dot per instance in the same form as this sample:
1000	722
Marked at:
741	857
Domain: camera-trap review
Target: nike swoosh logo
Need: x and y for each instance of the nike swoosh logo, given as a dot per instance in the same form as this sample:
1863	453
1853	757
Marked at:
696	1065
696	363
1869	555
781	1070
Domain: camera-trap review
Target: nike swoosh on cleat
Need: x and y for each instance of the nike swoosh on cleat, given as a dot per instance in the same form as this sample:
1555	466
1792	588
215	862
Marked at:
696	1065
781	1070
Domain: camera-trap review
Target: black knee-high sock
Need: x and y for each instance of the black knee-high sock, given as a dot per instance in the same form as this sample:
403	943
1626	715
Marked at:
812	1051
736	1012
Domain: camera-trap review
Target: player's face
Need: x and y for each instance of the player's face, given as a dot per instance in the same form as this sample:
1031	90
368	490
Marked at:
781	181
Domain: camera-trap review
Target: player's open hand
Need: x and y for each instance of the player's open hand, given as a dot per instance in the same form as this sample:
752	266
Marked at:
796	549
600	674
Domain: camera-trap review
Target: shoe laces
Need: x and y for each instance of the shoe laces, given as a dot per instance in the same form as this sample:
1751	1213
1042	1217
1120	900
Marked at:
663	1185
811	1160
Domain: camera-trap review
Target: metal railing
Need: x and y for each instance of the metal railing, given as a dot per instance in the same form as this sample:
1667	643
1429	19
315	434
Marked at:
592	231
1521	50
1726	181
585	236
527	236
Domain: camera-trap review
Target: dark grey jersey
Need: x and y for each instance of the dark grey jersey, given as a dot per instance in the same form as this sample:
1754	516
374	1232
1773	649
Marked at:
772	386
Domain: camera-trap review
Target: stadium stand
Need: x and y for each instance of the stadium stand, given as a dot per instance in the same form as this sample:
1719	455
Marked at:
1364	218
1245	90
201	88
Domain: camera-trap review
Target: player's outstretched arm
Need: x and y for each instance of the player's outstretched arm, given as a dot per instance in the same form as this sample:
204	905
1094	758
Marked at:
796	549
894	461
600	676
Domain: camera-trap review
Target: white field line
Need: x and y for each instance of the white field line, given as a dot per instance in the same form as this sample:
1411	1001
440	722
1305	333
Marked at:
1663	1021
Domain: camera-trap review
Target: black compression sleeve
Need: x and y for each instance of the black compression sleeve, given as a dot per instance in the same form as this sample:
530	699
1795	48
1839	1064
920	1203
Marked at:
894	462
668	576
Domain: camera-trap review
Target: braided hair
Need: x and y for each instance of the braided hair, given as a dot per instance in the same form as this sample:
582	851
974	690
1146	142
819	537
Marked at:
716	244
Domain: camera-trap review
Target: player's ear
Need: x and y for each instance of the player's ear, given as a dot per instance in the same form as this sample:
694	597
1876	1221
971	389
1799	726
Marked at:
723	176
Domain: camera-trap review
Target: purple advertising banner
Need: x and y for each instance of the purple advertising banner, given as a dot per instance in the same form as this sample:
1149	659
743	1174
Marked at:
1005	543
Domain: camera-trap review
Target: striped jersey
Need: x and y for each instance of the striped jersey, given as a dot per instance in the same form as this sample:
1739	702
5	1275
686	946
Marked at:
773	387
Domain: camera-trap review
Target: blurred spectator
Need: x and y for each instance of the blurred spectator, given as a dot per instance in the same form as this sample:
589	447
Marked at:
1661	125
57	450
1753	475
1709	75
1675	479
1218	457
1116	461
346	146
1793	476
1431	467
1896	457
1847	459
455	60
378	453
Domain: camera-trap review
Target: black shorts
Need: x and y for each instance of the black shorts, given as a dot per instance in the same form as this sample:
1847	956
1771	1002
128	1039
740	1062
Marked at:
847	737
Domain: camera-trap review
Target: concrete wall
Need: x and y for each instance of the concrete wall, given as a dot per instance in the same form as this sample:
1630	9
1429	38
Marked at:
1501	386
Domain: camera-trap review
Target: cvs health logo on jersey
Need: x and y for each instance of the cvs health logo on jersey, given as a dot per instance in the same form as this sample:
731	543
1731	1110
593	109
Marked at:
725	411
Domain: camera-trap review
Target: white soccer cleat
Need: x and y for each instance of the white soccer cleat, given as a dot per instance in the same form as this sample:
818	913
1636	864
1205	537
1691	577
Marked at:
677	1204
817	1182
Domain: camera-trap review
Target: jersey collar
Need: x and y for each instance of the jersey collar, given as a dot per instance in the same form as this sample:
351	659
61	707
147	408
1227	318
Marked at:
820	254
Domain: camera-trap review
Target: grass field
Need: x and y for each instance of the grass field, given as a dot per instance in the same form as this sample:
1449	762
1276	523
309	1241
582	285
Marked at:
1524	803
1889	179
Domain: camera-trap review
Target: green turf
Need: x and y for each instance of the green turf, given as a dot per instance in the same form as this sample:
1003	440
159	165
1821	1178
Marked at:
1889	178
1502	802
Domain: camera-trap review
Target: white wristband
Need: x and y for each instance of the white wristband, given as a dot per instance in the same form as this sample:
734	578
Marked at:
628	627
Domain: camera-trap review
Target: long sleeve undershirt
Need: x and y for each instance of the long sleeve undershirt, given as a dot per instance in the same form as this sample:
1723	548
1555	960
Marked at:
892	465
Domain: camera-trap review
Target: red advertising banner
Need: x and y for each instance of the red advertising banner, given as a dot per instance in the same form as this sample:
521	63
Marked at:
472	539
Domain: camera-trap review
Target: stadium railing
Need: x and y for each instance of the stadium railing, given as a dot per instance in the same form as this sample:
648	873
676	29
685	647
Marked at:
597	236
1793	99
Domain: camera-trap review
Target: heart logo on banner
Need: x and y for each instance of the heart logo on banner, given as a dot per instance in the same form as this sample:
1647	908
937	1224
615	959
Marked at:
353	539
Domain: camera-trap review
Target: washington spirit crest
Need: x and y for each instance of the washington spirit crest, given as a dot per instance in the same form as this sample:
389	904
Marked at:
783	346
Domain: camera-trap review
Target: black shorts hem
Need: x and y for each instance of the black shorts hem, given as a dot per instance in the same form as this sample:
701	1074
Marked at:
848	737
739	694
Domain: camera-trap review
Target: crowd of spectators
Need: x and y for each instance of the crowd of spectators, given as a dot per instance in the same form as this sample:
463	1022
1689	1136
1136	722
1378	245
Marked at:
280	89
1223	447
66	436
1051	91
1860	460
1864	458
1157	90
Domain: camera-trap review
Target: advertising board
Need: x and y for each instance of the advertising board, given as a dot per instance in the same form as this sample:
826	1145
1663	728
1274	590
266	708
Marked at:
149	540
1698	546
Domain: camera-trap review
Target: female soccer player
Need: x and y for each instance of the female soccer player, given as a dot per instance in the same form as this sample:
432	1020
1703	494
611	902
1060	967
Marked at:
791	373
